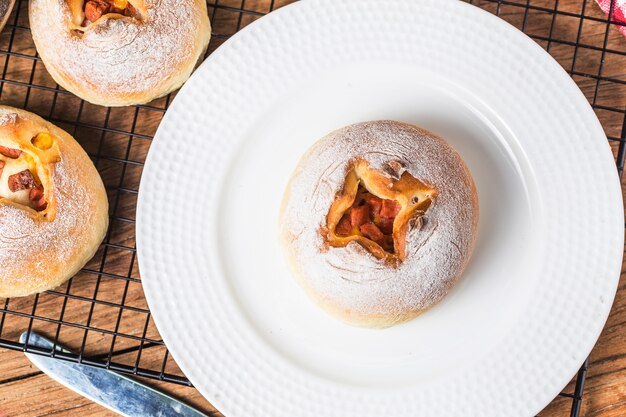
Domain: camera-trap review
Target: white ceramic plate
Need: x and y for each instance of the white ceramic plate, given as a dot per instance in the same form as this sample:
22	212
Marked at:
541	281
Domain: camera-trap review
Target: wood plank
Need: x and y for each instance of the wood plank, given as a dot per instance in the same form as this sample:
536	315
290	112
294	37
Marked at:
38	395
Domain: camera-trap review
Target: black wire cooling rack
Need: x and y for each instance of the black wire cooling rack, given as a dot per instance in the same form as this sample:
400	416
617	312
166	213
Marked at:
102	313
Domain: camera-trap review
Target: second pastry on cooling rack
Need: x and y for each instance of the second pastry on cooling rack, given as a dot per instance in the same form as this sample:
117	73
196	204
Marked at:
53	205
120	52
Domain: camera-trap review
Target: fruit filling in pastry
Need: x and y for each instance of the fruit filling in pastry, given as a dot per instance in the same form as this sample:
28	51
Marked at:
21	171
95	9
377	208
370	216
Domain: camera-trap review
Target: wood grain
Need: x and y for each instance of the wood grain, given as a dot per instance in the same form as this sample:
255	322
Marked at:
34	394
107	298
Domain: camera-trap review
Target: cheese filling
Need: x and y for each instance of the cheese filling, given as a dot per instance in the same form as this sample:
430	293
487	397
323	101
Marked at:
13	167
19	179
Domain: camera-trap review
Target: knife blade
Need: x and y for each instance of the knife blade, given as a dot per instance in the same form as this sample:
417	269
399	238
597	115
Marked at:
107	388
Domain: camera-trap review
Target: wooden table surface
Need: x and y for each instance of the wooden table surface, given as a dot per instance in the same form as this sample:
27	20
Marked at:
107	297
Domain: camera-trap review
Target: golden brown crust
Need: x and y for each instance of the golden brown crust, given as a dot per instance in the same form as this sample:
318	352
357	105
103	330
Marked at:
355	281
413	196
121	60
41	250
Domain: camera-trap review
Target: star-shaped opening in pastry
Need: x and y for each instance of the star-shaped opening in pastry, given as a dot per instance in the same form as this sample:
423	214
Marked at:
24	177
87	12
376	208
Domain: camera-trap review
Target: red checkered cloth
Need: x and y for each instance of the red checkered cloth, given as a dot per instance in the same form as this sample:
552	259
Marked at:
618	9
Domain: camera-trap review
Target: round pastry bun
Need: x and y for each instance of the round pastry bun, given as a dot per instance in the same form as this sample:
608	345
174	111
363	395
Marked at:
121	60
42	248
433	233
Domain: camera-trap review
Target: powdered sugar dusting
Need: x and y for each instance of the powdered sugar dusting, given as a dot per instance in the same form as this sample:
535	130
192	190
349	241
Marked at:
32	250
119	56
7	119
351	279
21	238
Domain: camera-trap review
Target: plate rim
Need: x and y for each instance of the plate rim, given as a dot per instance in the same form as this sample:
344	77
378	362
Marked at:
142	218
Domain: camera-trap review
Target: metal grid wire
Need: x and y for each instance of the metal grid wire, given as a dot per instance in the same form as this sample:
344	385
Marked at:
102	313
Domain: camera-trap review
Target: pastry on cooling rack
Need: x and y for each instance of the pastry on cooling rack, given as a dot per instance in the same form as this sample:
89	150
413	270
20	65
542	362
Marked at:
53	205
120	52
379	221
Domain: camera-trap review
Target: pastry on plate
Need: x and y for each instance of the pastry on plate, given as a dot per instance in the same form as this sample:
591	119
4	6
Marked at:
379	221
53	205
120	52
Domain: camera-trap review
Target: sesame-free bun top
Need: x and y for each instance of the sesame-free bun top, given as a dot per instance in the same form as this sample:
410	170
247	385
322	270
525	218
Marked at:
379	221
123	57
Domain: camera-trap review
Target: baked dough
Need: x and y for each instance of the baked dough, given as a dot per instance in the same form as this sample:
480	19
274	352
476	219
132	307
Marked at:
120	60
53	205
379	221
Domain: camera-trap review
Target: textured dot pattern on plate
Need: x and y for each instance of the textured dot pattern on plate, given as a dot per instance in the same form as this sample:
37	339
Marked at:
238	90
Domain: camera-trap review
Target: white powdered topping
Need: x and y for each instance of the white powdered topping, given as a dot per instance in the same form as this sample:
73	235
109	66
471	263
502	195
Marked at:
22	239
117	56
8	119
351	278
